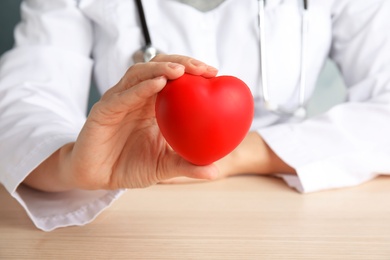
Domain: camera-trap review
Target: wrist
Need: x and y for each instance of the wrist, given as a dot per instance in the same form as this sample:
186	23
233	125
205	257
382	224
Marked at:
275	164
54	173
66	178
252	156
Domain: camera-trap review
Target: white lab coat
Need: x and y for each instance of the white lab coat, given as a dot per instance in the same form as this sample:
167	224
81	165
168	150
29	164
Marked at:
44	83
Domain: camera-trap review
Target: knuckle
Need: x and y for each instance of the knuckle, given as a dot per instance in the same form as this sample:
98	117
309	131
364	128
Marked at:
135	67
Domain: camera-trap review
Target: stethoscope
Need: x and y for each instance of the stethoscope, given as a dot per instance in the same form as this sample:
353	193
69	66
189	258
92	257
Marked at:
148	51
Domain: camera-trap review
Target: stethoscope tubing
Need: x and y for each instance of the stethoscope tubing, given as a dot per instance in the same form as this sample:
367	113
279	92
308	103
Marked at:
144	25
299	111
148	50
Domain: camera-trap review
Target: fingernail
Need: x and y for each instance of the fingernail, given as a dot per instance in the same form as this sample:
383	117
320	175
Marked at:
175	66
212	69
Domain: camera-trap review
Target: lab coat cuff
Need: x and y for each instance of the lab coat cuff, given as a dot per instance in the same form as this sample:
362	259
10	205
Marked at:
284	143
49	211
314	174
285	148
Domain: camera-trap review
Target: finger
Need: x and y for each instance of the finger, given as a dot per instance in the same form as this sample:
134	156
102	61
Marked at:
192	66
144	71
142	91
112	105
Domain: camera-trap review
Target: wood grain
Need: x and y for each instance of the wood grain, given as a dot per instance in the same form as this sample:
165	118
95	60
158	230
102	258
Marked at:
247	217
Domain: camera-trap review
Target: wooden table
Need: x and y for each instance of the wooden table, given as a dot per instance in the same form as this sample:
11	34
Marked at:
246	217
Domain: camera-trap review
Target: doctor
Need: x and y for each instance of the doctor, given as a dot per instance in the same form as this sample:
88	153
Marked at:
48	144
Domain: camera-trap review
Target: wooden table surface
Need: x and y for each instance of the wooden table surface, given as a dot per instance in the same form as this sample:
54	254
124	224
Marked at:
247	217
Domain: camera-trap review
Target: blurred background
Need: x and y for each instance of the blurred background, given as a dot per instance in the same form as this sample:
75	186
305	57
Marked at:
9	16
330	87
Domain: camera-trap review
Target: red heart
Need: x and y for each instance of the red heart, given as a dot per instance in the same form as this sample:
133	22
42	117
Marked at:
204	119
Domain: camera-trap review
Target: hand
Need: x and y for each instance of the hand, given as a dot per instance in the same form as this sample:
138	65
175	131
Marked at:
252	156
120	145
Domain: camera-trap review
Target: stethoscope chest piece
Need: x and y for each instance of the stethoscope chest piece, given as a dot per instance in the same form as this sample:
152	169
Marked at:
145	54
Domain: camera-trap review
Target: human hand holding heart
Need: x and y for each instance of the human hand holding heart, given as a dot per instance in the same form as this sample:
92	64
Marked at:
204	119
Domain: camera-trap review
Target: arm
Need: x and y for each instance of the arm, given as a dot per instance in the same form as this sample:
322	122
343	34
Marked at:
348	144
44	84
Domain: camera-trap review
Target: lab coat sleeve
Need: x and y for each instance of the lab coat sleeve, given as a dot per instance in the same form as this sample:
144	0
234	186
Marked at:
44	86
350	143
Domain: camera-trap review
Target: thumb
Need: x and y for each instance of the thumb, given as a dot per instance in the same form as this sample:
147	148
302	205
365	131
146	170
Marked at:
185	169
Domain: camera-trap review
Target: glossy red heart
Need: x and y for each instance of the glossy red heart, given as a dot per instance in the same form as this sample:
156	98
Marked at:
204	119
